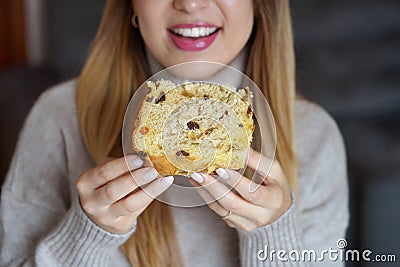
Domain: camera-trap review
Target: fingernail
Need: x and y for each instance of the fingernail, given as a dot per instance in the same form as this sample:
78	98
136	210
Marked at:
150	174
222	173
137	162
166	181
253	187
197	177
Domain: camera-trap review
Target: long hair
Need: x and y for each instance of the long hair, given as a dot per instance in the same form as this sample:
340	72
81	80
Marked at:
115	68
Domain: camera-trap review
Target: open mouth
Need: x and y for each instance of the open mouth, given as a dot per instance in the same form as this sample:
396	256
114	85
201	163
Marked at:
197	32
189	37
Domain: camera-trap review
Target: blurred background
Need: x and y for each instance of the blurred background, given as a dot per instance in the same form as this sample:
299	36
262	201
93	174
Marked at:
348	58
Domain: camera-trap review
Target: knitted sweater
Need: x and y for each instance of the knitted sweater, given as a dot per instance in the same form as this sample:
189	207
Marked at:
43	224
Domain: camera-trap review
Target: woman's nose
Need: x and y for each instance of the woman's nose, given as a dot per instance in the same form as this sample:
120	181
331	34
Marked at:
190	6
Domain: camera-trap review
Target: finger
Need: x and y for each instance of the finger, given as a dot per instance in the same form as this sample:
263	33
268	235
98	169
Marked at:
264	165
107	159
233	220
138	201
208	198
241	222
268	170
225	197
123	185
259	162
110	170
261	196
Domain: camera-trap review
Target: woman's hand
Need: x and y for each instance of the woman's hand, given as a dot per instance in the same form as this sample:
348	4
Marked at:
106	192
255	205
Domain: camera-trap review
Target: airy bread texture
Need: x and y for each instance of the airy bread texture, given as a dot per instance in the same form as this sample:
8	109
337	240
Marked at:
194	127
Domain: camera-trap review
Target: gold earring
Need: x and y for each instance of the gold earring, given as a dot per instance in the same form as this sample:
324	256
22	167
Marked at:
135	21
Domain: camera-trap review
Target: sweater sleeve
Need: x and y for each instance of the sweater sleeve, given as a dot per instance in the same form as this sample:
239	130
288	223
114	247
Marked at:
323	215
40	223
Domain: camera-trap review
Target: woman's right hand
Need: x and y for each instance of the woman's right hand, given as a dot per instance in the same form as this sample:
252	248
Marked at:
106	196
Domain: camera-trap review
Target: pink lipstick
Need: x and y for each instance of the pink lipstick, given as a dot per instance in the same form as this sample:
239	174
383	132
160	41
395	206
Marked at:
193	36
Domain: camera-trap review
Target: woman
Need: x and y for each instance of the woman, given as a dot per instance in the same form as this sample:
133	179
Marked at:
67	197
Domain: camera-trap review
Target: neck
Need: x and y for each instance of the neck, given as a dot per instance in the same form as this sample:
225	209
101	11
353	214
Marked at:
239	63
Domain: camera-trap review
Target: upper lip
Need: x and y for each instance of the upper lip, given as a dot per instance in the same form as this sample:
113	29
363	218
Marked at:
192	25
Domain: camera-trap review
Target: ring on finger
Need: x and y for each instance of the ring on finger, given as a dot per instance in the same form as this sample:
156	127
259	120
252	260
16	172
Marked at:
227	215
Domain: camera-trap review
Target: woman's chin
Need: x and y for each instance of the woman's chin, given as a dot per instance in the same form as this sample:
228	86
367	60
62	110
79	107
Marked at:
200	69
196	70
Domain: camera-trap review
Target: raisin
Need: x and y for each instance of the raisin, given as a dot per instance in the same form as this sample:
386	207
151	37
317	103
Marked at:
161	98
249	111
182	153
240	125
142	154
206	97
208	131
192	125
144	130
149	99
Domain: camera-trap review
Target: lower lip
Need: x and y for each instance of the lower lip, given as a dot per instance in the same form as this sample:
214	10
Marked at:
191	44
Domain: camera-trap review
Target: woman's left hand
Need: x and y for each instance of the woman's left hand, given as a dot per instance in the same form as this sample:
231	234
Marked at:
255	205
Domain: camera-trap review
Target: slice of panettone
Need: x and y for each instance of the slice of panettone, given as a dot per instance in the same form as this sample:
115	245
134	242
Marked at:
194	127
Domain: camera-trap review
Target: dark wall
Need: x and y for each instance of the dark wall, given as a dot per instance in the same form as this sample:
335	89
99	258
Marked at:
71	27
348	55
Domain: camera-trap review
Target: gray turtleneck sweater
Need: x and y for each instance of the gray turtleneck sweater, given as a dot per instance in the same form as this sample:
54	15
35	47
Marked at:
43	224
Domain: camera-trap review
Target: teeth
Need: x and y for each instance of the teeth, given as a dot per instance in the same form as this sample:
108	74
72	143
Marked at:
195	32
187	32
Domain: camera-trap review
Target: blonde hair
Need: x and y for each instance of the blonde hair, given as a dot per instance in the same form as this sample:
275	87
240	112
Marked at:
116	66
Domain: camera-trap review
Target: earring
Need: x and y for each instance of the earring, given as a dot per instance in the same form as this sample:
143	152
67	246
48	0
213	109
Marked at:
135	21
